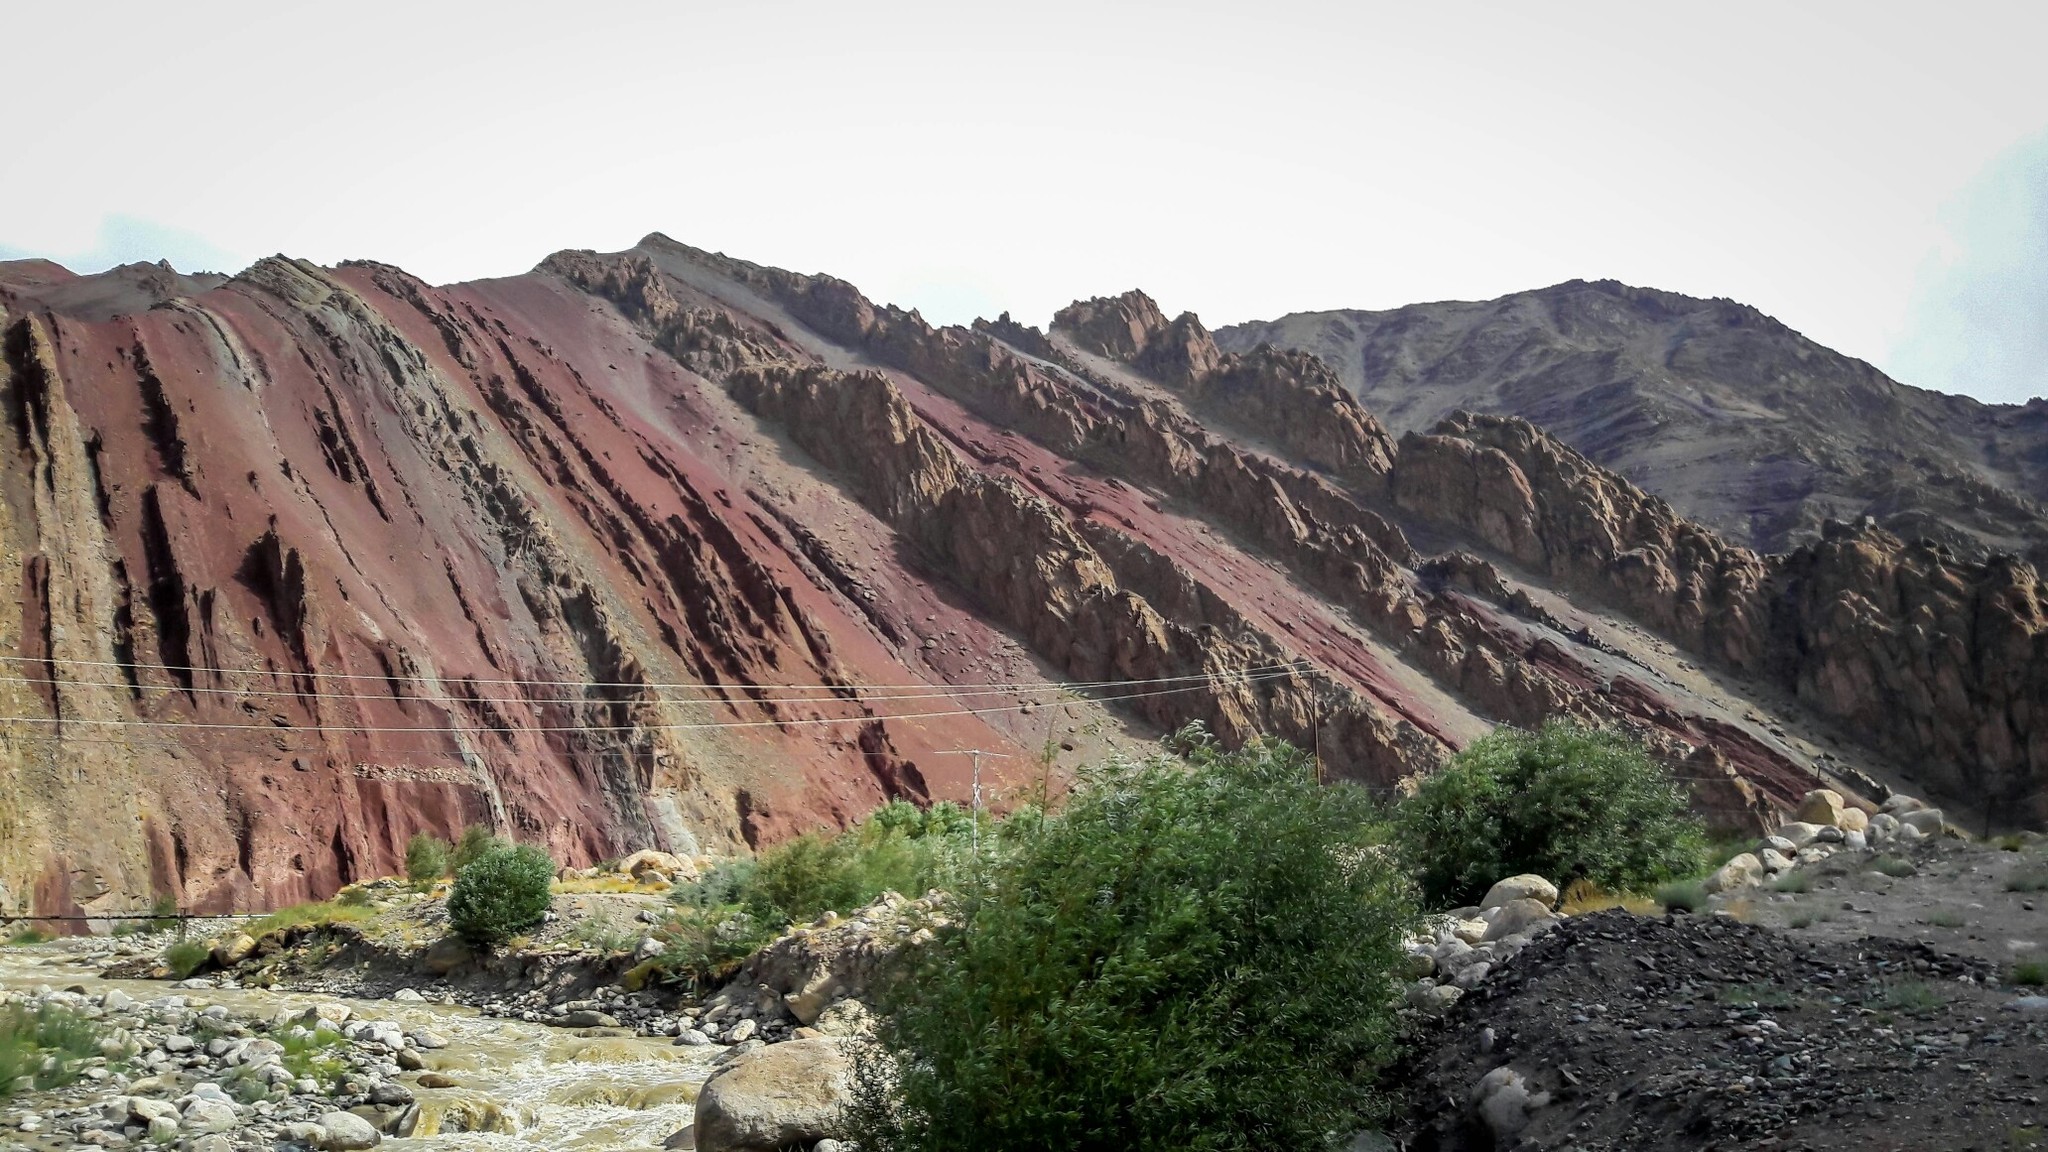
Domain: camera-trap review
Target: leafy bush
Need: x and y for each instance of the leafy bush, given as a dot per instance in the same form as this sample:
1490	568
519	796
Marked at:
1683	896
742	904
1566	802
186	957
899	848
29	936
475	843
2030	973
1197	954
500	894
427	857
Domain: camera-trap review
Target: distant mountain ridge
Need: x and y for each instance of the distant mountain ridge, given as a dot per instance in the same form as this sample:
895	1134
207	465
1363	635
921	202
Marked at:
1738	420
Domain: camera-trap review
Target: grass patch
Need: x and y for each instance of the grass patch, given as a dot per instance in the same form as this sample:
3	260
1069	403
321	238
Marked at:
40	1049
603	935
1809	919
319	913
1584	896
611	882
2010	842
1684	896
2030	973
1793	882
1908	996
29	936
1944	919
1897	867
309	1054
2027	880
186	957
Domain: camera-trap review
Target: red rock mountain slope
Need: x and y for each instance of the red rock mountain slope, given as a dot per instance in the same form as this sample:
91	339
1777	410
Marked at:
664	548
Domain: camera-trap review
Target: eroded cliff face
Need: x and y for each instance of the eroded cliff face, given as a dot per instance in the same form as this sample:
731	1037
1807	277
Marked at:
664	548
1936	656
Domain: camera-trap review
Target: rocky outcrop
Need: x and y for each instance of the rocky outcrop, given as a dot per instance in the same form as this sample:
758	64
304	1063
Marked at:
1911	645
1742	423
662	549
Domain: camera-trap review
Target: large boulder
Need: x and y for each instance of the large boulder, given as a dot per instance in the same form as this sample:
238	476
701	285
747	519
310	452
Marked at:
1524	887
1853	820
232	950
647	860
1743	871
836	958
1926	820
789	1094
1517	916
1801	833
1821	806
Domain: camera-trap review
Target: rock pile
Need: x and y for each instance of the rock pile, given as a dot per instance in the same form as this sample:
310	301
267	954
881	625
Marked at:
173	1072
1461	948
1825	824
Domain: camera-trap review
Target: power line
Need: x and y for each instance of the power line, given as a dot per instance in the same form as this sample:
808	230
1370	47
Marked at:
203	726
862	691
517	681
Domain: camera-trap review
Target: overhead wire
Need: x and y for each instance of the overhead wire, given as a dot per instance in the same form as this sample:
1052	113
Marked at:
863	691
202	726
382	678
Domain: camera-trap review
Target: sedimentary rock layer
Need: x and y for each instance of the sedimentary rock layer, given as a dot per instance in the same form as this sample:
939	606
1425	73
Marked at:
664	548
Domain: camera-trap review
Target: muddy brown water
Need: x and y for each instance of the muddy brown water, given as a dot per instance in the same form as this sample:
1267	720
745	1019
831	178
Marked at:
521	1085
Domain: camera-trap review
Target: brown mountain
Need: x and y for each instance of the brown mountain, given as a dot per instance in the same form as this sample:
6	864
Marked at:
1739	421
664	548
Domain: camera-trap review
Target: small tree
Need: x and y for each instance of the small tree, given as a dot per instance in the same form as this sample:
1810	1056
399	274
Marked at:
500	894
426	858
1197	954
1567	802
475	842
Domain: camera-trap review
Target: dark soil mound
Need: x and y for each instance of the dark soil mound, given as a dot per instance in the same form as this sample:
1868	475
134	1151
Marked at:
1708	1033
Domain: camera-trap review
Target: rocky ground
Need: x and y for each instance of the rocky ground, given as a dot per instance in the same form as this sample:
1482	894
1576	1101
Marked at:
1847	996
1854	981
169	1072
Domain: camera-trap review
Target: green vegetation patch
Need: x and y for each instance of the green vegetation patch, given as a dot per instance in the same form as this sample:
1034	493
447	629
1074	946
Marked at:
1566	802
41	1048
1197	953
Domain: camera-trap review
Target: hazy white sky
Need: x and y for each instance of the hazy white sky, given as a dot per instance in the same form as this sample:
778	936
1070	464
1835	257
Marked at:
1874	175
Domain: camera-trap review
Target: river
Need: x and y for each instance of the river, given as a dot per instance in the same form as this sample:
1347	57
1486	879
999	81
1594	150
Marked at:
529	1085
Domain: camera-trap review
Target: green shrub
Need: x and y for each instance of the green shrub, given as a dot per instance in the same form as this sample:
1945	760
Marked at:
2030	973
427	858
1566	802
165	909
2027	880
1793	882
1896	867
186	957
1682	896
899	848
500	894
1197	953
42	1048
476	842
29	936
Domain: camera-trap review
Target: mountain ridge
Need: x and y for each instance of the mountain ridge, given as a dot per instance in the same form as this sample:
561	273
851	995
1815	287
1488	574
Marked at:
1743	422
370	557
